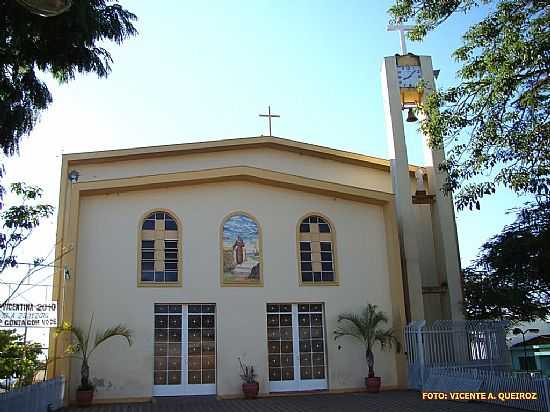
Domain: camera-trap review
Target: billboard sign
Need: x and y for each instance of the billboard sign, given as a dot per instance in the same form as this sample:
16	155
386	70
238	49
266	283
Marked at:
30	315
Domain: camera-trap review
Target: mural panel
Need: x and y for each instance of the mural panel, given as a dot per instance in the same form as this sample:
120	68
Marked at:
241	251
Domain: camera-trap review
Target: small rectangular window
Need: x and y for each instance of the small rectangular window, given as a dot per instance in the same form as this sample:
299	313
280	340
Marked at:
305	246
170	255
272	307
208	308
317	307
324	228
306	266
307	276
147	265
305	256
327	276
175	308
148	225
194	309
147	244
170	265
326	266
326	256
161	308
304	228
170	225
326	247
147	276
148	255
170	244
527	363
171	276
285	308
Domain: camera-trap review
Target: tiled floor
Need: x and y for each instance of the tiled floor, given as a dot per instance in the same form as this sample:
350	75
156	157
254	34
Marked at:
401	401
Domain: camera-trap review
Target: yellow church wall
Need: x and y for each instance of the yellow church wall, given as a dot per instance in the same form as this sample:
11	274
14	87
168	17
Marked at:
264	158
105	274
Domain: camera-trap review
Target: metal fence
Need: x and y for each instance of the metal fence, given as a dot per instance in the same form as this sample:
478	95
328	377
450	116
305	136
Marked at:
501	384
470	356
41	397
480	344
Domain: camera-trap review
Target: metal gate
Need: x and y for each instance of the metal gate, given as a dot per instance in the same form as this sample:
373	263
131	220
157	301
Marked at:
479	344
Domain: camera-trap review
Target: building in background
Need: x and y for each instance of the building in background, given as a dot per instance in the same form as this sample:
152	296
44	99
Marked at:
535	356
537	350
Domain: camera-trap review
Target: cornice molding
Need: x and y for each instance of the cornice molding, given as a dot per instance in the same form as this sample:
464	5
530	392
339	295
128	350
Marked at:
235	173
271	142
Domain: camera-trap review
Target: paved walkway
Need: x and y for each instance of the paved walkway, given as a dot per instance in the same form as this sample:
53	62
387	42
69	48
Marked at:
401	401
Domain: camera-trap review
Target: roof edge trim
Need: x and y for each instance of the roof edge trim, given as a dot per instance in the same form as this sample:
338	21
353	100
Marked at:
273	142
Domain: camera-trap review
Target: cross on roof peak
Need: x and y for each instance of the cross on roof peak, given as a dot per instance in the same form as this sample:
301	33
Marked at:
269	116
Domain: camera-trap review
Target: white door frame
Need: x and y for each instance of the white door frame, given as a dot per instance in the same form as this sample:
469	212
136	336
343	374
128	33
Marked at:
299	384
185	388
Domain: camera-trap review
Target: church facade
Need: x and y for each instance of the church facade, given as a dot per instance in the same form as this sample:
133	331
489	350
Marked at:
236	249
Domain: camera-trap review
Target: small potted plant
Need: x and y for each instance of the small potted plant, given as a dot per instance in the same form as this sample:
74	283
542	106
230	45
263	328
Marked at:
365	328
250	385
83	348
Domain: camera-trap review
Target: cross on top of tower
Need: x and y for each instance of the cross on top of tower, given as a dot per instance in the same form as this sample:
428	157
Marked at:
402	29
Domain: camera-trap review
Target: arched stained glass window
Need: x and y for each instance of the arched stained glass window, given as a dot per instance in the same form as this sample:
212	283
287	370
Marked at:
316	248
159	260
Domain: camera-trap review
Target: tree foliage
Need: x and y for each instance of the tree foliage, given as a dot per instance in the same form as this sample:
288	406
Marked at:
18	359
63	46
18	223
495	122
366	328
83	345
510	279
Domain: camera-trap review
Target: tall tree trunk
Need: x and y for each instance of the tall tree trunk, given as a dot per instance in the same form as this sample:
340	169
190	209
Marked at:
85	374
370	362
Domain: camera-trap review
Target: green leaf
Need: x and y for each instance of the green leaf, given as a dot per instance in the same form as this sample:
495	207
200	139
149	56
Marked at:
62	46
365	326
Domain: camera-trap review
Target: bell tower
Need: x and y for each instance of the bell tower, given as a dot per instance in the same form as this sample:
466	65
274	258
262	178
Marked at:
427	226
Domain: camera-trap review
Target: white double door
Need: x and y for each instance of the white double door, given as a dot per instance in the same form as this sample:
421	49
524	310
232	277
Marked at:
185	350
296	347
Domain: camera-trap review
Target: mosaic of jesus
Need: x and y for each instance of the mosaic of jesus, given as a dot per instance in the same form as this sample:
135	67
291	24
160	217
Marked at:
241	251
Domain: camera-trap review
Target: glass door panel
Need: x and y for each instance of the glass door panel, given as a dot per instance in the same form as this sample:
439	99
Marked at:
201	345
296	347
280	343
312	346
167	351
184	349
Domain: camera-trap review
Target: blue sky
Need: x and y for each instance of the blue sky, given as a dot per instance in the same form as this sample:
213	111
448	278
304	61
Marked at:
205	70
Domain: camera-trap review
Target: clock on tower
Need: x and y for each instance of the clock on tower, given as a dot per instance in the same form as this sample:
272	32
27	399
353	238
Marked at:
409	75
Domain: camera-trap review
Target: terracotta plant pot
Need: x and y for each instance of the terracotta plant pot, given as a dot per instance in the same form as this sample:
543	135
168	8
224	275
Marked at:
250	390
84	397
373	384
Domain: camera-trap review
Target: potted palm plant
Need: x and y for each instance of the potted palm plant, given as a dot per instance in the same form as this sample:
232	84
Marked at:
365	327
83	347
250	385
